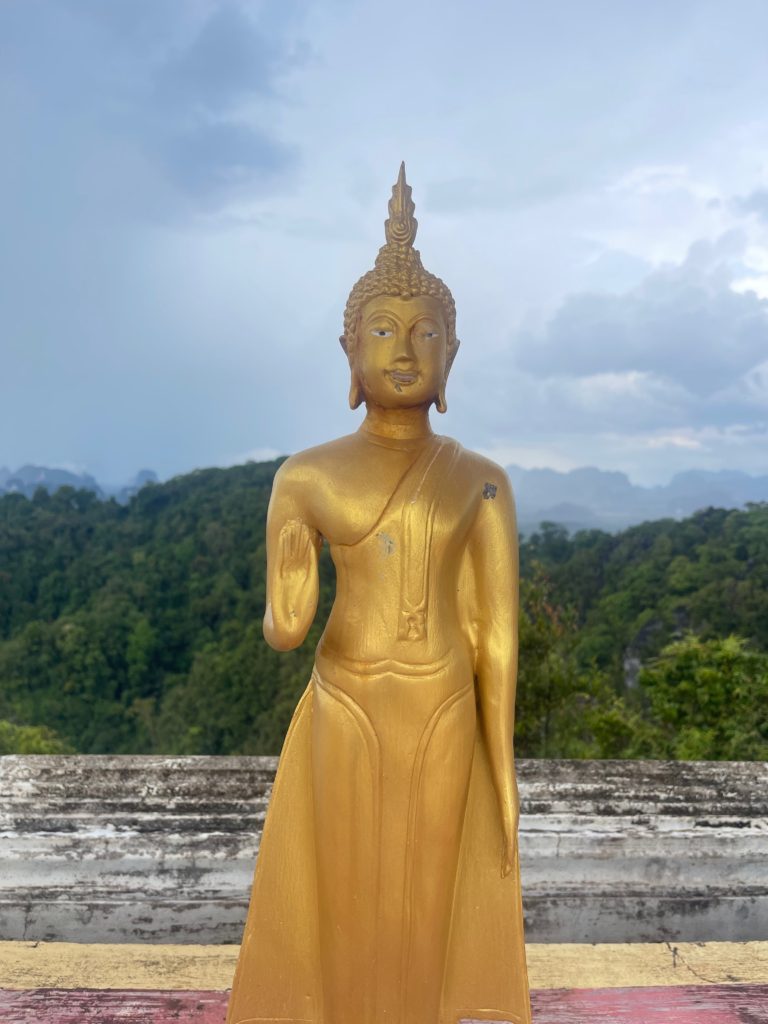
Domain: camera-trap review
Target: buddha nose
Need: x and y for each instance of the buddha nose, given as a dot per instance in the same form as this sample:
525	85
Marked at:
404	352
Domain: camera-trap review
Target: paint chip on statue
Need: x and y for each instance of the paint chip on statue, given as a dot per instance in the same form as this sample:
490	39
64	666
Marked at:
387	543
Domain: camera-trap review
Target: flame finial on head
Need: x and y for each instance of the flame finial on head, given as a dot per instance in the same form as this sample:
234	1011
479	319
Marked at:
401	226
398	270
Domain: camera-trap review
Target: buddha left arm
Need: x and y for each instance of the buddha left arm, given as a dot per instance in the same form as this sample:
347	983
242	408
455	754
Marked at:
494	554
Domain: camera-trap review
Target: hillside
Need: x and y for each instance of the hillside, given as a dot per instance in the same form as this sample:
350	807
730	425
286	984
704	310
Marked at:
137	628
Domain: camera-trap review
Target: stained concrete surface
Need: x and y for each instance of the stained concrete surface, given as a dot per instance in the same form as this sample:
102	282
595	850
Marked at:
162	849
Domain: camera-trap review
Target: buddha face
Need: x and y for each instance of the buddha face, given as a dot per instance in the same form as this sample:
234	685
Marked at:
400	353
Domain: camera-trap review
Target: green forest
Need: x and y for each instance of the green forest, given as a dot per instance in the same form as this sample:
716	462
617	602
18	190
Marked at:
137	629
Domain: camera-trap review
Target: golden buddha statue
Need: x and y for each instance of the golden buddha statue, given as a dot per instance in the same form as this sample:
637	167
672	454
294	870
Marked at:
387	885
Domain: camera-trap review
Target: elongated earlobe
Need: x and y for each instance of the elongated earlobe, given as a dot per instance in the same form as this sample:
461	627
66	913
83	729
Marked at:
356	394
440	403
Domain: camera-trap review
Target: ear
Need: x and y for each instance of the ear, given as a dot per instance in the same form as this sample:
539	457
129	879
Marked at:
440	403
451	355
356	393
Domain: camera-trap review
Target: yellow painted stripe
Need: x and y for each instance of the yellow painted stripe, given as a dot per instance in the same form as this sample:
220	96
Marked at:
627	965
25	965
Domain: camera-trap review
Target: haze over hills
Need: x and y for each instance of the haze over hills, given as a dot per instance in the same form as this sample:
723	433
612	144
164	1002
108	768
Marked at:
584	498
589	498
28	478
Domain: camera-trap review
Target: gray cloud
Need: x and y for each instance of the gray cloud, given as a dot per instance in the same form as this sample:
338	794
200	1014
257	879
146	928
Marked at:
189	192
216	160
197	123
755	202
184	97
228	59
124	121
683	324
672	372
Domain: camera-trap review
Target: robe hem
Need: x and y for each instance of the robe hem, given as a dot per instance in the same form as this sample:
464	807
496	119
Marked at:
491	1016
275	1020
459	1016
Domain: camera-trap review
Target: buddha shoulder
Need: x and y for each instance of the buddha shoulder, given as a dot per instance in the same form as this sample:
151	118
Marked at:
486	481
307	474
320	462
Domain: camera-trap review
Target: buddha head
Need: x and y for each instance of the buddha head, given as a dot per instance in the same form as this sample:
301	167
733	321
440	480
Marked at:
400	321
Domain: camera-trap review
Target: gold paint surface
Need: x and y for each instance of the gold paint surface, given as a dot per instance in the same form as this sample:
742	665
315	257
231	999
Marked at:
68	965
387	886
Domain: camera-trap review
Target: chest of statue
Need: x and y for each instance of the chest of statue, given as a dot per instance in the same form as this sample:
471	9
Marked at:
380	489
390	577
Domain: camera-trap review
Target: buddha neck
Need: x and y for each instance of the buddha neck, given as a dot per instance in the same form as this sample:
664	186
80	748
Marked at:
397	424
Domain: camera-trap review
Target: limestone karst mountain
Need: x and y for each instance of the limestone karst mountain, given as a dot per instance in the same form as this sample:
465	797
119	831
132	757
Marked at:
584	498
589	498
27	479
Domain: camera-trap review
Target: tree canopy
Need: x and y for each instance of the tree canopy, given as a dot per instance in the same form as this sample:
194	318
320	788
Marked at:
137	629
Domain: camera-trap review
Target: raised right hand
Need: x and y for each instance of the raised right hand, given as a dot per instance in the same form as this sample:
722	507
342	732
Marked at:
295	546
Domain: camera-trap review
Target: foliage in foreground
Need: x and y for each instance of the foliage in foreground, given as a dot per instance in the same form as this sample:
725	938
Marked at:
708	700
30	739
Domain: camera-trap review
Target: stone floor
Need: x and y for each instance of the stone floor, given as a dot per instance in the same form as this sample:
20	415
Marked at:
642	983
702	1004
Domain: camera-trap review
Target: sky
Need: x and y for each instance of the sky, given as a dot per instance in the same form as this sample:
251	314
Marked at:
188	191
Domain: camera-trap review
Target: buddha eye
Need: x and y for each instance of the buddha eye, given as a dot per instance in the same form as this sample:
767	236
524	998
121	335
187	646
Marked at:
381	332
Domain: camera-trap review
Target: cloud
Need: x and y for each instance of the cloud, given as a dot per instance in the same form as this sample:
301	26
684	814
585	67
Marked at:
683	324
673	441
670	373
149	107
192	187
228	59
210	116
217	159
756	202
131	127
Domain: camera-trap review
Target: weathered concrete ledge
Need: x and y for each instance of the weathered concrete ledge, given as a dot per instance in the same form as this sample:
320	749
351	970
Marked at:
162	849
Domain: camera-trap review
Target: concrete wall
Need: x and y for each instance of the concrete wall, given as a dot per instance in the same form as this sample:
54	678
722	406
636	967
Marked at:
162	849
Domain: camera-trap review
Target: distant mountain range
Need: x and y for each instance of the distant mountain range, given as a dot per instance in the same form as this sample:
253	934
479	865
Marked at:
27	479
584	498
591	498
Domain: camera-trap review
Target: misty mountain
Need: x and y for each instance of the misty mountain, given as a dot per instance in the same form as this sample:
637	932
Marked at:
27	479
589	498
124	494
584	498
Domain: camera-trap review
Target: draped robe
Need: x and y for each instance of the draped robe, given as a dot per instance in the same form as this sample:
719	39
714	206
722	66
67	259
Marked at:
378	889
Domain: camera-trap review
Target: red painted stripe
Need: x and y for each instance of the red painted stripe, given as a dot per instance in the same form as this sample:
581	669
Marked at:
705	1004
694	1004
90	1006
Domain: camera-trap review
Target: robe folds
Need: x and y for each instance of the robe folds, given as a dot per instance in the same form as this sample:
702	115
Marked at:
378	896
